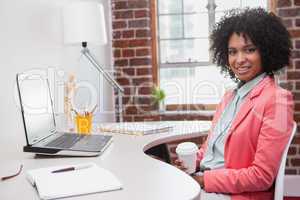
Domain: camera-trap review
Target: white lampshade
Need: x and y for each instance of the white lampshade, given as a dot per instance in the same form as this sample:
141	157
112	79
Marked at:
84	22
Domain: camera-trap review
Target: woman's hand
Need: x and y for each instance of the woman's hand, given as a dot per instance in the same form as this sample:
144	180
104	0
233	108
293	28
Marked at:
199	179
179	164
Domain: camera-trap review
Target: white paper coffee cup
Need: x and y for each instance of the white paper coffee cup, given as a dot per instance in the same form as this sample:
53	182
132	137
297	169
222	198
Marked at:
187	153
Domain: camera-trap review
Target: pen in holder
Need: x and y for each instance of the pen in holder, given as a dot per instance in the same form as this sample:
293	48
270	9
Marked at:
84	121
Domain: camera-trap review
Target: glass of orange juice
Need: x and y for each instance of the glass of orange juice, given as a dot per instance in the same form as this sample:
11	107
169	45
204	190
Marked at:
84	123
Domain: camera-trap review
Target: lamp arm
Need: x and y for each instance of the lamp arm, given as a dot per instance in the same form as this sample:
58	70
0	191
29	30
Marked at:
85	51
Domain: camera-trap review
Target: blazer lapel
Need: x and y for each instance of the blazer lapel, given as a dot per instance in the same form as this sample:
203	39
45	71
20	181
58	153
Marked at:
242	113
248	104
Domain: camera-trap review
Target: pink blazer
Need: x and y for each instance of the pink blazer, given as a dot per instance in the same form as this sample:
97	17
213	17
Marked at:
254	143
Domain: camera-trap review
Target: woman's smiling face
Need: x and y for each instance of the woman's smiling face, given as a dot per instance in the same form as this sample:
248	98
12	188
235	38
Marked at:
244	57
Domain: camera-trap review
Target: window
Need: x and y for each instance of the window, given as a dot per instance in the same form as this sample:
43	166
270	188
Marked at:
186	73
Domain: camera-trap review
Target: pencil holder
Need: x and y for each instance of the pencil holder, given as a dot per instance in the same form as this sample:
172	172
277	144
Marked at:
84	123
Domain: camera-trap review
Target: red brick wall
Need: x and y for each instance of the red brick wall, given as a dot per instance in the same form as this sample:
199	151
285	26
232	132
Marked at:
132	56
289	11
132	51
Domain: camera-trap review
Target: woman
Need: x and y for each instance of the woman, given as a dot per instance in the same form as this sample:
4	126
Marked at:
253	122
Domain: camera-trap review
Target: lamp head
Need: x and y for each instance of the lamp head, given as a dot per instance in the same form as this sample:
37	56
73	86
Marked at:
83	22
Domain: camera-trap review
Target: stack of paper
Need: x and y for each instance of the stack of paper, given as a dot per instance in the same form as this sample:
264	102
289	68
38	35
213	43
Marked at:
135	128
80	181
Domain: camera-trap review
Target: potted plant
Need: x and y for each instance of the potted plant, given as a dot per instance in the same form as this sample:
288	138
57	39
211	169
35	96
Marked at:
158	96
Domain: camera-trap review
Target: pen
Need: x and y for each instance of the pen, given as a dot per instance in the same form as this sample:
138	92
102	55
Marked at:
74	111
93	110
72	168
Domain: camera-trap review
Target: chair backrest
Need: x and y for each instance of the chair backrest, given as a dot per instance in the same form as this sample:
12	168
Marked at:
279	187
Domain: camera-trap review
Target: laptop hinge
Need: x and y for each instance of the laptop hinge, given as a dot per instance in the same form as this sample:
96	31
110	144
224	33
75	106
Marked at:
40	150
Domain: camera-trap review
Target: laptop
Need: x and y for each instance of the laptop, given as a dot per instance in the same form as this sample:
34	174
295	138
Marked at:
39	123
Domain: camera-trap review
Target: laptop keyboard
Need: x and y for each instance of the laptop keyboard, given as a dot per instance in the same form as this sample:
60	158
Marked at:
65	141
80	142
92	143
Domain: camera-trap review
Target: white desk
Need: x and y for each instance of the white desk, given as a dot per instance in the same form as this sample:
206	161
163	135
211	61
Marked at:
142	176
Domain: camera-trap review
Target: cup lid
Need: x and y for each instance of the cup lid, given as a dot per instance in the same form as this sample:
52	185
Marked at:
186	148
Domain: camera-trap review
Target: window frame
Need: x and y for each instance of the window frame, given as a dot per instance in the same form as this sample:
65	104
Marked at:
183	14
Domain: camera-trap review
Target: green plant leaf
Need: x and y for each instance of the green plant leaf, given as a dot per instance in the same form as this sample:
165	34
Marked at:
158	94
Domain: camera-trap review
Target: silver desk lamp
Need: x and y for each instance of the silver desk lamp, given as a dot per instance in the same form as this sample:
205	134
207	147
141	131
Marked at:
84	23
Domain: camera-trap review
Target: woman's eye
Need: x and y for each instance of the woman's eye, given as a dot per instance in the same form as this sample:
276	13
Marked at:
250	50
231	52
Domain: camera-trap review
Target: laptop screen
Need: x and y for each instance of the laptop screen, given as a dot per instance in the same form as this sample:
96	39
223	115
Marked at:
36	105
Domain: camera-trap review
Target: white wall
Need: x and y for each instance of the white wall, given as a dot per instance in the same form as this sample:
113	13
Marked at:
31	38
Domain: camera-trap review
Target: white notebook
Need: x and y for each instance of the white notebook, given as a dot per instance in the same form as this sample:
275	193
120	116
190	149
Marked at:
135	128
87	180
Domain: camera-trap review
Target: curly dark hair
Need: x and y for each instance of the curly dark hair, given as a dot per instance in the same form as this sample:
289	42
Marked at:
264	29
